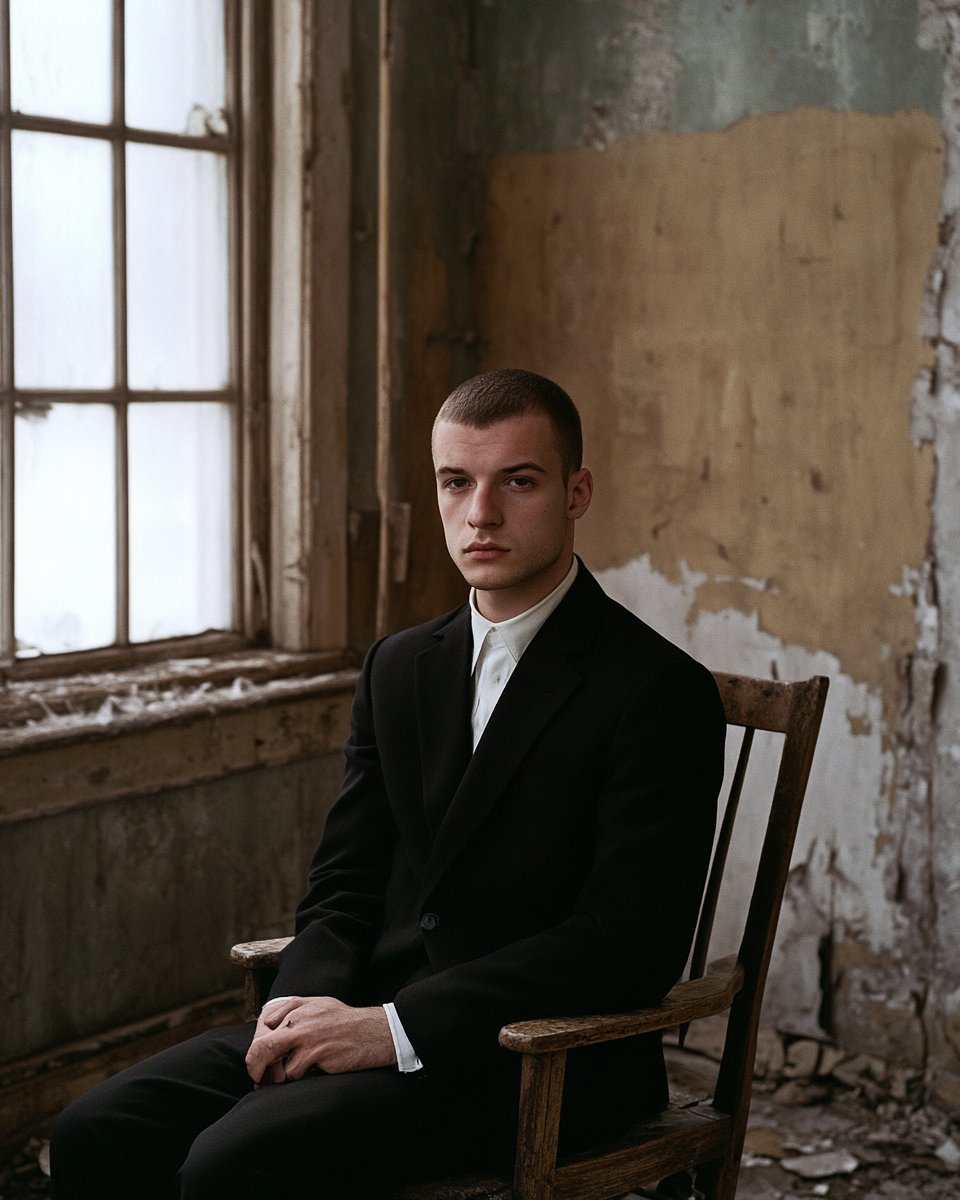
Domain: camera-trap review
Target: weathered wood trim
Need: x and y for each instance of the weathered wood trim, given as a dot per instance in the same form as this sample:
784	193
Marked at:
119	658
302	719
386	298
328	272
309	323
33	1091
252	316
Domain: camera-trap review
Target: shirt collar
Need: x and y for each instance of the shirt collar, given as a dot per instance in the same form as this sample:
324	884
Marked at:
519	631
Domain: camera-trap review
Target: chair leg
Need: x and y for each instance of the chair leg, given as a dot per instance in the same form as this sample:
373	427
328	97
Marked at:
717	1180
257	982
541	1092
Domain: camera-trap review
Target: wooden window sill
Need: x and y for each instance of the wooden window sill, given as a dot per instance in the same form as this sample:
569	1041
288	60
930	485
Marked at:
86	738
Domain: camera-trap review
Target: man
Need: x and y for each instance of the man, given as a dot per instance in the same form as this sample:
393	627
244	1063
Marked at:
523	831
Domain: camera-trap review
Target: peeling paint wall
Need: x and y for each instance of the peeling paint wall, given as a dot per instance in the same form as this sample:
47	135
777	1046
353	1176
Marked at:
935	711
713	224
560	73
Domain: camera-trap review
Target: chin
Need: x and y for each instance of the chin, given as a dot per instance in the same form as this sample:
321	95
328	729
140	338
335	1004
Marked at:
488	577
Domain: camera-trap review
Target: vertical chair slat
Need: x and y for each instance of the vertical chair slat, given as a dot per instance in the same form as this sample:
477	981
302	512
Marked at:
708	912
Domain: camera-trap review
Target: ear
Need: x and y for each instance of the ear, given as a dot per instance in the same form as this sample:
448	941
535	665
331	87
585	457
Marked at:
579	493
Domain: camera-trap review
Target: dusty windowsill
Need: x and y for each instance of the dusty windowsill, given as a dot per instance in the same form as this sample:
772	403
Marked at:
48	712
84	739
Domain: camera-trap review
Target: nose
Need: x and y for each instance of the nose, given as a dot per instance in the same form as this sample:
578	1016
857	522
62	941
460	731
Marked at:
484	512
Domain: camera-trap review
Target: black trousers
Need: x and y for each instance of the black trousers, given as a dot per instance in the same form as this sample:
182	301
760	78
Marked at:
187	1123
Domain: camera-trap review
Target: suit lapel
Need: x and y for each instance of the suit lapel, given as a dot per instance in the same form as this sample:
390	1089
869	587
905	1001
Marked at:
443	696
543	680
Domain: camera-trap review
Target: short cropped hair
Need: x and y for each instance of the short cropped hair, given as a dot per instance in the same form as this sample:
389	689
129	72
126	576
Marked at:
499	395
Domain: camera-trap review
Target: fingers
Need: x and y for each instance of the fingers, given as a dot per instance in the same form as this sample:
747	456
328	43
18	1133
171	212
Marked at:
299	1063
298	1033
269	1051
274	1073
271	1072
275	1011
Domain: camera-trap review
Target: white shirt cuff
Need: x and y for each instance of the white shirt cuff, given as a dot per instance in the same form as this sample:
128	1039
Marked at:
407	1059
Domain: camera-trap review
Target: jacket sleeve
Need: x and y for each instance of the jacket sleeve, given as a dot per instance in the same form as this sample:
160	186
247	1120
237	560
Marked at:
341	915
626	941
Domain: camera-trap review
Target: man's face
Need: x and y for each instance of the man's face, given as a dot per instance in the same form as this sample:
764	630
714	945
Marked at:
507	513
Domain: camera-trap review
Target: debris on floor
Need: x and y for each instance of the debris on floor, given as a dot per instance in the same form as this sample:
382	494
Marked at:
26	1172
826	1123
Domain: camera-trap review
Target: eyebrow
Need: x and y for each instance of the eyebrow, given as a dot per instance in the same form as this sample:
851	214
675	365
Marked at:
512	470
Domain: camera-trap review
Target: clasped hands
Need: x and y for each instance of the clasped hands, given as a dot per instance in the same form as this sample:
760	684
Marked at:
300	1032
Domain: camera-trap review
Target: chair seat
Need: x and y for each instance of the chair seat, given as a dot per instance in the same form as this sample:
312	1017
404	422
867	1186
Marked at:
463	1187
674	1139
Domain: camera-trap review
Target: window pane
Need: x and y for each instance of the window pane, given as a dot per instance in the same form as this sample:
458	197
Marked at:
60	58
176	268
174	65
64	588
62	261
180	521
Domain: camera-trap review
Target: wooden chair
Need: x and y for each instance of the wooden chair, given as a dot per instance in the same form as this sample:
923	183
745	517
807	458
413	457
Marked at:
702	1138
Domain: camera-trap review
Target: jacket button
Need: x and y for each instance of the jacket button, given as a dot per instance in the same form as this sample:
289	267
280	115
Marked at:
429	922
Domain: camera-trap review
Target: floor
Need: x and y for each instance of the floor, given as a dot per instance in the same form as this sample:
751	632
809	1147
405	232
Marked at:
894	1144
870	1145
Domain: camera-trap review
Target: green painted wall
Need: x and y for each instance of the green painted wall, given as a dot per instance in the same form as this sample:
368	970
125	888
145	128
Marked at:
561	73
751	56
119	911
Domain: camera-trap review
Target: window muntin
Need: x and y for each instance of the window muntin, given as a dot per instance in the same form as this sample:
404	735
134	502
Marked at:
115	354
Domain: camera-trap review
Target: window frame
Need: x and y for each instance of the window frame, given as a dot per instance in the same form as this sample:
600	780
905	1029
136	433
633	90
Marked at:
289	102
119	135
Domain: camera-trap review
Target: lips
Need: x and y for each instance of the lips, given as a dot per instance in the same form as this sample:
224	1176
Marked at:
483	551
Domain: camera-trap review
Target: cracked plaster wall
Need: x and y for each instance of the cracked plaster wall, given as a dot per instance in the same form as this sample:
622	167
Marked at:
712	223
935	712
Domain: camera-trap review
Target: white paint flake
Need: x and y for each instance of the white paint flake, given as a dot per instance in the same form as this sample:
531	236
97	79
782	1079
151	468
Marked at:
839	876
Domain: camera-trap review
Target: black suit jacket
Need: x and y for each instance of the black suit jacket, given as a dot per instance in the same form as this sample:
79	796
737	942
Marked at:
562	863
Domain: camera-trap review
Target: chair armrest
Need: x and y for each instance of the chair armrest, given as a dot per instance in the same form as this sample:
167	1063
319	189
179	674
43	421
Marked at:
704	997
257	955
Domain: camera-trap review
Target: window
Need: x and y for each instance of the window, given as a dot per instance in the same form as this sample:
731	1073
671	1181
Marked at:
118	323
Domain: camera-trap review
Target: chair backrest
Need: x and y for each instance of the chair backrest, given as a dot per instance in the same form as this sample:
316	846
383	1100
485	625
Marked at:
795	710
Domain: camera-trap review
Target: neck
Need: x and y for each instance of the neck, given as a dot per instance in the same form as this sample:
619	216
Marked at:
510	602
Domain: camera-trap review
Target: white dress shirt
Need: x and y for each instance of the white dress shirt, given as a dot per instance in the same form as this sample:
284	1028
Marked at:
497	648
